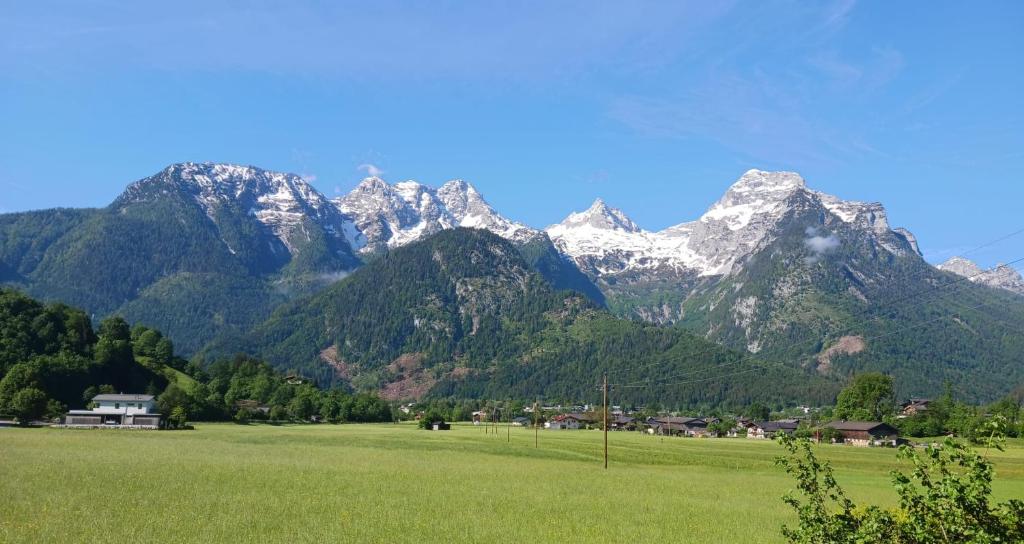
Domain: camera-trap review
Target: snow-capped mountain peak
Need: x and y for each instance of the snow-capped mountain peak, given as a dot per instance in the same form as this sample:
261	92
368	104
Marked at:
601	216
1001	277
733	227
469	209
755	192
762	182
281	202
961	267
462	199
395	215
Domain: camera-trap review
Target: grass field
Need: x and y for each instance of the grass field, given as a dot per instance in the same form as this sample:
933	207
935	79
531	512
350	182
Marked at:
394	483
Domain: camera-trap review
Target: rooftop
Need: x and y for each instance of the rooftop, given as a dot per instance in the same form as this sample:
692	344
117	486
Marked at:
123	397
855	425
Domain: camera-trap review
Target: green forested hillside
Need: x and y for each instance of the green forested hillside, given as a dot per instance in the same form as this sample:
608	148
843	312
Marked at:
53	349
462	314
155	255
193	265
189	307
51	359
857	308
560	272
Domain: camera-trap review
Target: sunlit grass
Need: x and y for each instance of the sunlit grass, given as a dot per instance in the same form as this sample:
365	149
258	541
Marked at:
394	483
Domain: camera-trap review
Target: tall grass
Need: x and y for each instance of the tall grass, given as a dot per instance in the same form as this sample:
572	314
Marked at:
394	483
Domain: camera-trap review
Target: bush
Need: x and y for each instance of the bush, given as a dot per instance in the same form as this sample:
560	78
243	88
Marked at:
242	416
278	413
28	405
179	417
945	498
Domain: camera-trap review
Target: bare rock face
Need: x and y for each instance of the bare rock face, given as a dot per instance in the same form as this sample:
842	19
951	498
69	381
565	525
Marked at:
390	216
715	243
651	274
290	210
1000	277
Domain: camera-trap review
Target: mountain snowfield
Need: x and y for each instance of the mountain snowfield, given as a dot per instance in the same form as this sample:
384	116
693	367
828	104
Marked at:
712	245
602	241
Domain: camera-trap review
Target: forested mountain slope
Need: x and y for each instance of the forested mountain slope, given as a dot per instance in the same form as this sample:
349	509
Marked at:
462	313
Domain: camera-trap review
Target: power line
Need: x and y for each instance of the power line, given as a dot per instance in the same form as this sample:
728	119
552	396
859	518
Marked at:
993	242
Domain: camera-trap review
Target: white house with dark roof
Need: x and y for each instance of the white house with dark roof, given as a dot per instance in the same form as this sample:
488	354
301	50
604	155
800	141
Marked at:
117	410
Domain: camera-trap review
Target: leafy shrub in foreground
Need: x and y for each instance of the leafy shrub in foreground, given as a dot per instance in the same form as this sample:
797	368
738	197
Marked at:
945	498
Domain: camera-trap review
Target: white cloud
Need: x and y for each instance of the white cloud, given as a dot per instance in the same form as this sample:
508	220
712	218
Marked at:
818	244
309	178
370	169
331	277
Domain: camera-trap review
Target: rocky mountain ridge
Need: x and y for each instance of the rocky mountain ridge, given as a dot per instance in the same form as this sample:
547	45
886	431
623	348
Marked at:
390	216
1001	276
713	244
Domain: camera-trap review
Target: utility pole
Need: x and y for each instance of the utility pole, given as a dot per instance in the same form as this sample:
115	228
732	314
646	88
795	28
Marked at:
604	395
536	427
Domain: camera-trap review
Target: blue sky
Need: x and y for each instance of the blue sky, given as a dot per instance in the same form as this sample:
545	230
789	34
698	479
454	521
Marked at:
656	107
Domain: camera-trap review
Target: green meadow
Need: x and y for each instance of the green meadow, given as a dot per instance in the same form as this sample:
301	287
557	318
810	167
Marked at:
395	483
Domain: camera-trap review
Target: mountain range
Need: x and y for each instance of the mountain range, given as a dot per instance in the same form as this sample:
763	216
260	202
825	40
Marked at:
222	257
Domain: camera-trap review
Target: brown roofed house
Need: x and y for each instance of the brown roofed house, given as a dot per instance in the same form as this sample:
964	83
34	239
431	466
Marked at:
866	433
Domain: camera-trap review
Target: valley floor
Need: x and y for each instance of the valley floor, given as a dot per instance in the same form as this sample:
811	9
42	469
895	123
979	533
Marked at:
395	483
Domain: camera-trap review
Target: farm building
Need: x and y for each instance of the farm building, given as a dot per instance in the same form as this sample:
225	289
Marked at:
770	429
866	433
117	411
438	426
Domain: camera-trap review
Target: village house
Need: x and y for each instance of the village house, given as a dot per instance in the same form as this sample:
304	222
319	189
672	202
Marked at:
914	407
762	430
117	411
622	423
866	433
520	422
677	426
567	421
743	426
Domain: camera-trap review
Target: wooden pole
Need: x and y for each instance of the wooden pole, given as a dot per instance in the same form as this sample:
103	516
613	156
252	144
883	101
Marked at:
605	415
508	427
536	427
